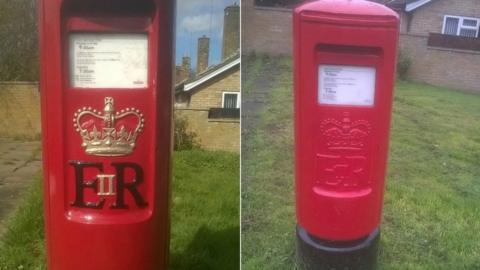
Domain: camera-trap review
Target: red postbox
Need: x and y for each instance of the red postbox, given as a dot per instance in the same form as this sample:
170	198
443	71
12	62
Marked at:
106	93
344	54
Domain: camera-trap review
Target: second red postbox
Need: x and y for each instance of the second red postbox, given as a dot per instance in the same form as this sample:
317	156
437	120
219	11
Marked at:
106	93
344	54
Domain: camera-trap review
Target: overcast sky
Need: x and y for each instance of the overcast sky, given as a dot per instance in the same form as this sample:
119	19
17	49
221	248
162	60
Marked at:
196	18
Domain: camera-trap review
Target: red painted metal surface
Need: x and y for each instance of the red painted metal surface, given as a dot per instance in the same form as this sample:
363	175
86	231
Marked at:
341	150
130	228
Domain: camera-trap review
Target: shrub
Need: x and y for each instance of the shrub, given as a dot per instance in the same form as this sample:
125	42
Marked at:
404	62
18	41
184	139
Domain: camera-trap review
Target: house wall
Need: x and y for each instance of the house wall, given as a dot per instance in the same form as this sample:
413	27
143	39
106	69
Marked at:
454	69
269	30
266	30
457	69
429	18
403	22
209	95
19	110
213	134
20	115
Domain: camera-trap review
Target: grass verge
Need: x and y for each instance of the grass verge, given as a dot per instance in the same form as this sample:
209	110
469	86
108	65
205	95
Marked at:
205	214
205	217
22	245
431	211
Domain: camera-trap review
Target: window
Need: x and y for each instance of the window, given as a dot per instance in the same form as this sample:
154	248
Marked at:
461	26
277	3
231	100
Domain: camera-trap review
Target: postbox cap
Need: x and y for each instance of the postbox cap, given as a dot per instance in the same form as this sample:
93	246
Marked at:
348	7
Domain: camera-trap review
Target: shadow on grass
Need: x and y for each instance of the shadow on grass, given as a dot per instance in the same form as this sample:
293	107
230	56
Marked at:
210	250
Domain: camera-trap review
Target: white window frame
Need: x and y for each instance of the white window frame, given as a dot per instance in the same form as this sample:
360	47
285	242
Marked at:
460	24
238	98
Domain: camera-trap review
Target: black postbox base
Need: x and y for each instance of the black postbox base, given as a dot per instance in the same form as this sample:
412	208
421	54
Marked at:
318	254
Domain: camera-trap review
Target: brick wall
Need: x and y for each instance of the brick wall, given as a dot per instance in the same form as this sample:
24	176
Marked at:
456	69
209	95
403	22
442	67
266	30
20	117
19	110
212	134
429	18
269	30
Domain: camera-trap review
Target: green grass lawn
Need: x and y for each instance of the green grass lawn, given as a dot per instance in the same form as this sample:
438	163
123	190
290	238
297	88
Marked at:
205	217
432	200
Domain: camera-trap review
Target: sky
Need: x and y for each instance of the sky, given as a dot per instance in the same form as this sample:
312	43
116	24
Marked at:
196	18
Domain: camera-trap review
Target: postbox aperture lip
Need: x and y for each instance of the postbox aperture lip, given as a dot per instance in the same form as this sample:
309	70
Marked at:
89	23
353	13
383	20
356	8
102	8
352	49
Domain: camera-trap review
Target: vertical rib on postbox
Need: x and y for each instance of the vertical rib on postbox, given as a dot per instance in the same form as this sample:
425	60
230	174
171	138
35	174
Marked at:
344	53
106	94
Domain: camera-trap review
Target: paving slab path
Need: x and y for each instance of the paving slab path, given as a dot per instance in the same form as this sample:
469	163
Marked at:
20	162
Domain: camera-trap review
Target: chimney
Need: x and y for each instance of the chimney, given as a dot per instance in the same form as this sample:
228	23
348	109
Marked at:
231	31
203	53
185	69
182	72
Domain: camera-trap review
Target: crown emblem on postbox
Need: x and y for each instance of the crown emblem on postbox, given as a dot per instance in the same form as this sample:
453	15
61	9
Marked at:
108	133
345	133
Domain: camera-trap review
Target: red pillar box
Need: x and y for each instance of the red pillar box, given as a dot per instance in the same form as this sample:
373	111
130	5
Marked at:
345	52
106	75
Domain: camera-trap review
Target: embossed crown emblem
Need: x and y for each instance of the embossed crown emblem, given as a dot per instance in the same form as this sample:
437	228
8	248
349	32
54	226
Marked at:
345	133
108	133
